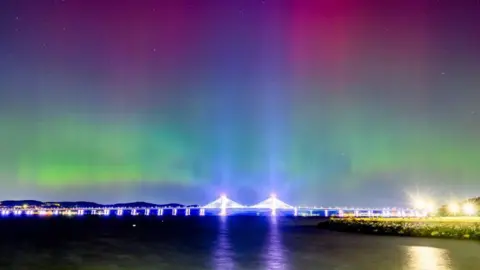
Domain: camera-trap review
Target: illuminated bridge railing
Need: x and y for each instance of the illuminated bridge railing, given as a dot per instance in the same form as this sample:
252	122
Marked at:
197	211
222	206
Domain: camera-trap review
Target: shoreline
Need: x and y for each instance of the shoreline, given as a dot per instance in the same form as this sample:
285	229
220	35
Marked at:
446	228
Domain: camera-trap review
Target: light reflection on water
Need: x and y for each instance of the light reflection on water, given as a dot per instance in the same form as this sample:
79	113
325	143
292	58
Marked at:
427	258
243	243
223	254
274	254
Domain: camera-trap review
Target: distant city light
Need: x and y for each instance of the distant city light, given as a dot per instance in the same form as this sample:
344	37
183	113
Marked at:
423	204
453	208
419	203
430	207
469	209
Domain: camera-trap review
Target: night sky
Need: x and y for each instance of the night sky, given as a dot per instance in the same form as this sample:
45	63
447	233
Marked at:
323	102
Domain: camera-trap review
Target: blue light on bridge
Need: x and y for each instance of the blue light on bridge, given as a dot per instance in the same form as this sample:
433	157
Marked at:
223	206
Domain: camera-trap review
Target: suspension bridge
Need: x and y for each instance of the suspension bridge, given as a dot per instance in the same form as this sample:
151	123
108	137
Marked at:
223	206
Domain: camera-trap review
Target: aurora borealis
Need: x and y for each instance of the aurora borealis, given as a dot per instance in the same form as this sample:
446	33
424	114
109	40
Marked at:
325	102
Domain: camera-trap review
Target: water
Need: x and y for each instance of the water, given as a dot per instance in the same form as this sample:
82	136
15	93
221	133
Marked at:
215	243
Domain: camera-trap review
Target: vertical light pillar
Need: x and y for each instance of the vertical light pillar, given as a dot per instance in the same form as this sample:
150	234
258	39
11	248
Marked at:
326	212
187	212
174	213
202	212
160	212
295	211
274	204
134	212
223	205
147	212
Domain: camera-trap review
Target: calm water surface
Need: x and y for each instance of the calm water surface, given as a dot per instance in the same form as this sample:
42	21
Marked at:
218	243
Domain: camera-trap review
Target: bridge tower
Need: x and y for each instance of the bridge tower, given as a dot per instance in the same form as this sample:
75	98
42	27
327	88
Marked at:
272	203
223	203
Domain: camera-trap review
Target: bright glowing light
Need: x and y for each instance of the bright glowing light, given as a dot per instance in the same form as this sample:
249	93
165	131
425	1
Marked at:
419	203
273	195
430	207
423	204
453	208
223	205
469	209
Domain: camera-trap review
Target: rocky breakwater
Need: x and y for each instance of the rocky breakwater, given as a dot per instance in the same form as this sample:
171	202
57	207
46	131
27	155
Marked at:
457	228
